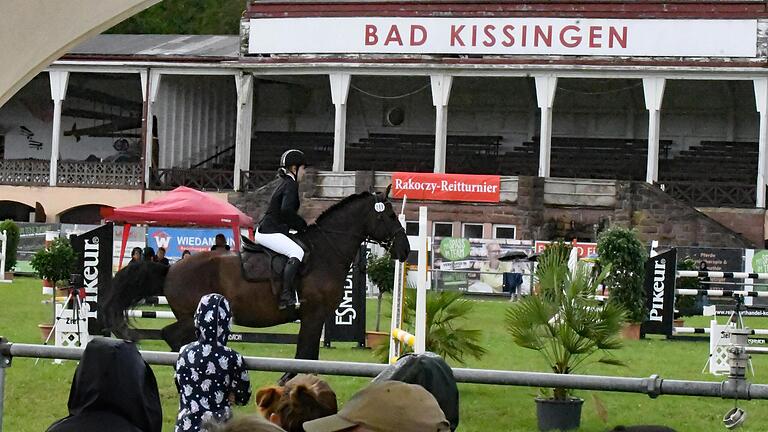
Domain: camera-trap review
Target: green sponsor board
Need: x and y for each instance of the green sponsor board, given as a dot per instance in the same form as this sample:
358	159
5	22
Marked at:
454	249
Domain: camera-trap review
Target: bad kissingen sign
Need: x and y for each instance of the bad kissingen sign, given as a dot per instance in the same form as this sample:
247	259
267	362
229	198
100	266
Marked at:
504	36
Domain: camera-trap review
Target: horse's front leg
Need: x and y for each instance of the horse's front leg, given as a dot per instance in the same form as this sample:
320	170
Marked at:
308	346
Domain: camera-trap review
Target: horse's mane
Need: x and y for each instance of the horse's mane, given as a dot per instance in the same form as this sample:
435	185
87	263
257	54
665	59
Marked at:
341	204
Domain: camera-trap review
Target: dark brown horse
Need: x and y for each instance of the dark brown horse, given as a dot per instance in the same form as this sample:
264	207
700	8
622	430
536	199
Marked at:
333	240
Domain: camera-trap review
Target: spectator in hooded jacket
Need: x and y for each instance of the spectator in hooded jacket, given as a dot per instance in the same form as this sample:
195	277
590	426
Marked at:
113	389
209	374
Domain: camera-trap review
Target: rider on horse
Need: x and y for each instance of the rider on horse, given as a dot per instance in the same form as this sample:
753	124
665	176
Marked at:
280	217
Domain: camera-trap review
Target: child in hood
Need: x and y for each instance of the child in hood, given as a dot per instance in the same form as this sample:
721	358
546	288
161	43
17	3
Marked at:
209	375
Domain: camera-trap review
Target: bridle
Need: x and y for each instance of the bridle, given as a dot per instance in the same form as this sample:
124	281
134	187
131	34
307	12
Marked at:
386	244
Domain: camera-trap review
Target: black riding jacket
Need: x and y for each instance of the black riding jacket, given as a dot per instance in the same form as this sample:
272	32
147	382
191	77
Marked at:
282	212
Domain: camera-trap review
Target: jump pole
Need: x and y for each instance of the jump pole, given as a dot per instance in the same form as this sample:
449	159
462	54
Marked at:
421	286
4	242
398	286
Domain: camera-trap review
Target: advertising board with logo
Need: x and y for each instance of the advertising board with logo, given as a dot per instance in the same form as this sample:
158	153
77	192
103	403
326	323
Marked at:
94	254
177	240
481	265
584	249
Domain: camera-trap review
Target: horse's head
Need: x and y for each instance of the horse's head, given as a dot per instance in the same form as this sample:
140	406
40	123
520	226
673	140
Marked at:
382	226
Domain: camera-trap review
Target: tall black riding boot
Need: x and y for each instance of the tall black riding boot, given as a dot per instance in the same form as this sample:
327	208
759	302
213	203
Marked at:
288	296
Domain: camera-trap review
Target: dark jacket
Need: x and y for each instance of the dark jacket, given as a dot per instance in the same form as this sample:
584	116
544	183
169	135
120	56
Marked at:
282	212
207	371
112	386
430	371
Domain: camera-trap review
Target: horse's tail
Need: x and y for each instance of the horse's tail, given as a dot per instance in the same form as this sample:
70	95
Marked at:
130	286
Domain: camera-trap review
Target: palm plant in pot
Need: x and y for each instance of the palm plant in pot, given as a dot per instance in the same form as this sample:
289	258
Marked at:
568	327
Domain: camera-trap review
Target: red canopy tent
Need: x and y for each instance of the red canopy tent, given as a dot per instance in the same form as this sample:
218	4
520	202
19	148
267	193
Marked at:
181	207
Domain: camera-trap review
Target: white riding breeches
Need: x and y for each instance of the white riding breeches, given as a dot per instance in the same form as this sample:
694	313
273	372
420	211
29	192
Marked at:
280	243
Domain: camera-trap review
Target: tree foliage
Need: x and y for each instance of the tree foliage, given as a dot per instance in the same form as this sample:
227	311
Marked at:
564	322
12	231
620	249
208	17
381	272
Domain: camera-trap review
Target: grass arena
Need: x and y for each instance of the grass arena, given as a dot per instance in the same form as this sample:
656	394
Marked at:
36	394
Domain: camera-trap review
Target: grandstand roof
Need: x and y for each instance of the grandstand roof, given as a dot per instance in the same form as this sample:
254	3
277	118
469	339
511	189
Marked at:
205	47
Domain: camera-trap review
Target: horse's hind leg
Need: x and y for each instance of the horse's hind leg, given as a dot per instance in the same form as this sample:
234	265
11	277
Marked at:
179	333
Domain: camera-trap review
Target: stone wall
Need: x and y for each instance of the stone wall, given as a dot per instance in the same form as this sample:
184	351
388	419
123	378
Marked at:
546	209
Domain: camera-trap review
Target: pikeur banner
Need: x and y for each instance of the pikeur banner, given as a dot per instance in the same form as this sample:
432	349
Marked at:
446	187
660	294
94	262
347	323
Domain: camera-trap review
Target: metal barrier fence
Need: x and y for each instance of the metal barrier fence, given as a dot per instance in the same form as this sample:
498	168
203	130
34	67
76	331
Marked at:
653	386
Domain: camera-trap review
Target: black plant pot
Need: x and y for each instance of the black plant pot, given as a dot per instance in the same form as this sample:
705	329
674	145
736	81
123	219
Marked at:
561	415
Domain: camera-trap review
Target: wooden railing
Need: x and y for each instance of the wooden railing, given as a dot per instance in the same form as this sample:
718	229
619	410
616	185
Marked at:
126	175
29	172
203	179
252	180
700	194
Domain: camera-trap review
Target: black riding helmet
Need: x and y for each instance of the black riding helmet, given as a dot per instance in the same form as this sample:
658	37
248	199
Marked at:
292	157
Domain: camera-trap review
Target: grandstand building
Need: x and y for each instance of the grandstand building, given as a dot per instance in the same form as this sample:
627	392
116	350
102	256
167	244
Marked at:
650	114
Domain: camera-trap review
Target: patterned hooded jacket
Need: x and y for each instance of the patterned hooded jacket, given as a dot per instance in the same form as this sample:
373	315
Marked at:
208	373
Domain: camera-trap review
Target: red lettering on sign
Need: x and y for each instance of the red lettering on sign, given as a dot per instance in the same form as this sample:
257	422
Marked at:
538	34
393	36
613	36
455	36
507	30
594	36
422	30
370	35
574	40
491	39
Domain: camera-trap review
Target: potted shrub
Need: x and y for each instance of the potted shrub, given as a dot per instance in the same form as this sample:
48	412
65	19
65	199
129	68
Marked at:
620	249
381	272
55	263
568	327
447	336
12	232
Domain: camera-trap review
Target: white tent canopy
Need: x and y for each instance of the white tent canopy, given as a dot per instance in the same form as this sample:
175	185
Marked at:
34	33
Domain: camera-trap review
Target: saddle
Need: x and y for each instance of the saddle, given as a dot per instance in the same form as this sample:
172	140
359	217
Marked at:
260	264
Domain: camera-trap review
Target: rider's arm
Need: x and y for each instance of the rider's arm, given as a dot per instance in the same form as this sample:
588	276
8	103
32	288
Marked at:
290	206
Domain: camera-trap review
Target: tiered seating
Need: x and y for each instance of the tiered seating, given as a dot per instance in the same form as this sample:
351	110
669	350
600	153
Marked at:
266	148
416	152
713	161
601	158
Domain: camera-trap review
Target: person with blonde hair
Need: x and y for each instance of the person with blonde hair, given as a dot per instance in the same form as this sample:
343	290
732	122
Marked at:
303	398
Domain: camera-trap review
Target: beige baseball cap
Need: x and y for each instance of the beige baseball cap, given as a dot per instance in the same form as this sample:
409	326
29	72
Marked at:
387	406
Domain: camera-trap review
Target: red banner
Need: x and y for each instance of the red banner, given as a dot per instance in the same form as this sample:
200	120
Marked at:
584	250
446	187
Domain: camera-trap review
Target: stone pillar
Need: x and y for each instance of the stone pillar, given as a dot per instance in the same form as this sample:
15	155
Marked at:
761	100
653	88
546	85
244	84
59	80
339	93
150	83
441	93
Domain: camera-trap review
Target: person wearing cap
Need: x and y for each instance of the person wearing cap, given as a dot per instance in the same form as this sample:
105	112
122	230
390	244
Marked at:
281	217
387	406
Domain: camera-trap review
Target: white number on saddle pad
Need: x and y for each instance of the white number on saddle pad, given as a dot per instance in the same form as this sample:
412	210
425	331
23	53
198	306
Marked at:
379	207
